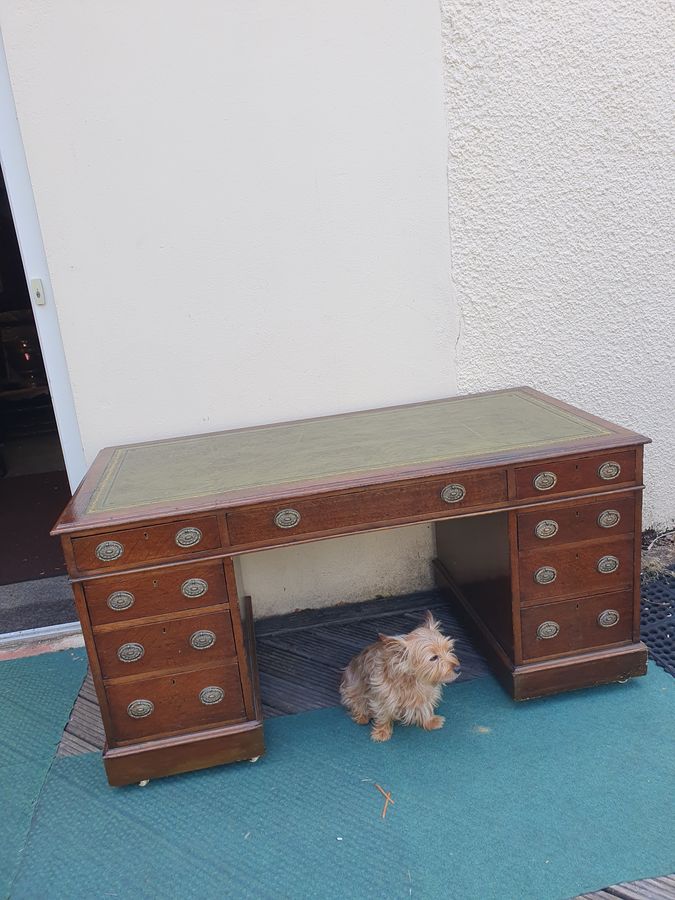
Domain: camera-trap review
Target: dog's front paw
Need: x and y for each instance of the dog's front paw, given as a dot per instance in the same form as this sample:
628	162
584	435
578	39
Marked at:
434	723
381	732
361	720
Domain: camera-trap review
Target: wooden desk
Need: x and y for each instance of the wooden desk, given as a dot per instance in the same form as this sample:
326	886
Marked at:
536	507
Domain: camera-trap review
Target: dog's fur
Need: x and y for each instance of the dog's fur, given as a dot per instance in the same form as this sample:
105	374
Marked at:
400	679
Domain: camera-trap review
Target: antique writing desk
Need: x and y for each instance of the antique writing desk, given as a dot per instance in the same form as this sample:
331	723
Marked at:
537	510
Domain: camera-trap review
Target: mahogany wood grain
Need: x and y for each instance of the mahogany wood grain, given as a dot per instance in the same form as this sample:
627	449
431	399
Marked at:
584	670
145	544
577	521
250	692
516	624
350	509
155	591
580	629
183	753
176	702
576	567
166	645
637	560
576	474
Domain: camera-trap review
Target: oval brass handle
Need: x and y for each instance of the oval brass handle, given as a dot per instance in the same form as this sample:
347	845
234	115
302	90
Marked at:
120	600
607	564
287	518
139	709
544	481
547	528
210	695
608	618
548	630
194	587
189	536
453	493
545	575
608	518
609	470
129	653
109	550
202	640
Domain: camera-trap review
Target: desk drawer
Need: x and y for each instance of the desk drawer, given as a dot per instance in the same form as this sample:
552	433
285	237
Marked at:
555	629
426	497
601	472
174	643
575	522
159	591
136	546
575	570
145	707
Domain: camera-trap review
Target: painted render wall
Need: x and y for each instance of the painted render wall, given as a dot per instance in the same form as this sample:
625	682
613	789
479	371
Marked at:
562	208
244	208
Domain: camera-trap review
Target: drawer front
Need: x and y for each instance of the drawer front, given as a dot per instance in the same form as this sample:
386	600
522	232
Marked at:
555	629
157	592
174	643
600	472
135	546
576	522
572	571
437	496
151	706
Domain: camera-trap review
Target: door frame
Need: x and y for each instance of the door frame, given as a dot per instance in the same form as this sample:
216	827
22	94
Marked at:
33	257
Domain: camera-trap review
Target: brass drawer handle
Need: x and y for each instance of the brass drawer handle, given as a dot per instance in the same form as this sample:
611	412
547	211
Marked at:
120	600
607	565
453	493
547	528
210	695
609	470
609	518
608	618
109	550
194	587
545	575
129	653
202	640
287	518
188	537
544	481
139	709
548	630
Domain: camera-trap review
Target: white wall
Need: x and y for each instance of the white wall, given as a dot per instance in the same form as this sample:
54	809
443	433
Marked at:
244	209
562	208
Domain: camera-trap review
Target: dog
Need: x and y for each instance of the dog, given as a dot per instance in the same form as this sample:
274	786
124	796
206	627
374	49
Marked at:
400	678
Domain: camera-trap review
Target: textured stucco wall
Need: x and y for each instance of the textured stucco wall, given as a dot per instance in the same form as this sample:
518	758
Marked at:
244	209
562	220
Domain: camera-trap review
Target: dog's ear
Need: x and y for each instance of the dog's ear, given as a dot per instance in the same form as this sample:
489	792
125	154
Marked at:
390	640
430	622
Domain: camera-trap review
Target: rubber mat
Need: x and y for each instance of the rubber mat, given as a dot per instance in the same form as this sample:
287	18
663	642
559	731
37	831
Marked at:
657	620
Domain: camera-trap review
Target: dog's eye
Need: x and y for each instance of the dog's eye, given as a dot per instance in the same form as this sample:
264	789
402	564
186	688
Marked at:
433	658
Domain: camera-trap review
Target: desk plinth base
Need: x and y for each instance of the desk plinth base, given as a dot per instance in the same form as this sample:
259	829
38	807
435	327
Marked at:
553	676
183	753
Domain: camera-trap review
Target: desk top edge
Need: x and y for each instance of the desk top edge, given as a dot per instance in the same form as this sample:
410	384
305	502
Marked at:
77	519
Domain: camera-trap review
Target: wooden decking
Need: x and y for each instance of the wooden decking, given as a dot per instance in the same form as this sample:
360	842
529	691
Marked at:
300	657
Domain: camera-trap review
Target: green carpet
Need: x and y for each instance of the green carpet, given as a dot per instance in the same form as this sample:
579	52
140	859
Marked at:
36	696
512	801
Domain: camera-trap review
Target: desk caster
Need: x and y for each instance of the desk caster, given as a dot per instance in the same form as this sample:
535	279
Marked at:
623	680
254	759
144	782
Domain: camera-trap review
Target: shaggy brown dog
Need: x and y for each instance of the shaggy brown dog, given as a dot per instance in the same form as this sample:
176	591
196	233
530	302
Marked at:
400	679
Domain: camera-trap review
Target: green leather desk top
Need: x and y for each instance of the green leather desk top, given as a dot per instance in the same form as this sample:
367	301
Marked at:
338	450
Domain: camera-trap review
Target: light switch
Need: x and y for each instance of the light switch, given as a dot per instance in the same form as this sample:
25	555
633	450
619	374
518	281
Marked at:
37	291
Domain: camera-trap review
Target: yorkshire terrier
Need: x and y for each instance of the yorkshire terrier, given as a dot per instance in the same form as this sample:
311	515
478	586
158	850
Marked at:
400	679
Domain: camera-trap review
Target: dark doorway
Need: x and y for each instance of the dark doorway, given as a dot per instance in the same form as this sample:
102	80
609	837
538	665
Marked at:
33	485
